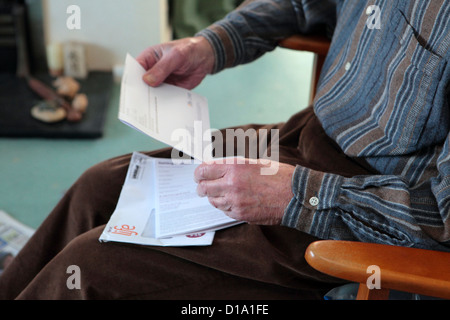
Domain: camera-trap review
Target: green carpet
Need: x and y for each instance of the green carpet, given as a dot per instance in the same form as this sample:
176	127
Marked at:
35	173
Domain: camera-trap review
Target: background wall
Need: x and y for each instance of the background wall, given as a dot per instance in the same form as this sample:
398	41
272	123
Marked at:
191	16
109	28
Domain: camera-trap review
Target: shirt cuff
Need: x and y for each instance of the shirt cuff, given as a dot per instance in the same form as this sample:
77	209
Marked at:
227	44
315	193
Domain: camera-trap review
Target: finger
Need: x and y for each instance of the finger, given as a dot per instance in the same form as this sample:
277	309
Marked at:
211	188
220	203
149	57
157	74
188	82
169	63
209	172
150	60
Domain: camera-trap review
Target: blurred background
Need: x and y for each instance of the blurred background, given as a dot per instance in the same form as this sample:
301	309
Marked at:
40	161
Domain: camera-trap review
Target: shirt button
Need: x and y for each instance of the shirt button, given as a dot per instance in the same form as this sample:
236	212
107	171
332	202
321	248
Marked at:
348	65
314	201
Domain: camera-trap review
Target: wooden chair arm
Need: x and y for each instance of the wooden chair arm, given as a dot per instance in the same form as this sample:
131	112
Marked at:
411	270
316	44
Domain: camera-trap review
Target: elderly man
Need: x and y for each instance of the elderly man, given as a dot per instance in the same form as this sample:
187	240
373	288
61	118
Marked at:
369	161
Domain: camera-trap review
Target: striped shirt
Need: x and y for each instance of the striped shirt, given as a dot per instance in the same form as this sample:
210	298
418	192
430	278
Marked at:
383	96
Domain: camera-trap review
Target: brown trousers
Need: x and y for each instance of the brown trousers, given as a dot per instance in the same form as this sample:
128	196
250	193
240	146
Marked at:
244	262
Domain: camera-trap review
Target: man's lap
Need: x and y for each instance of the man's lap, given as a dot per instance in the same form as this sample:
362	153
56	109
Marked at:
241	258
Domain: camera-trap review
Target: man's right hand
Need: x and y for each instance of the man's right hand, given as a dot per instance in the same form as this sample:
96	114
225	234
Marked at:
184	63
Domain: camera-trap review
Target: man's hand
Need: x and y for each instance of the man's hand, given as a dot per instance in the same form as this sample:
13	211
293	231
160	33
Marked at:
243	193
184	63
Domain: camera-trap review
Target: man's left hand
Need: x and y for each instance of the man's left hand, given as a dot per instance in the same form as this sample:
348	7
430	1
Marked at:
243	193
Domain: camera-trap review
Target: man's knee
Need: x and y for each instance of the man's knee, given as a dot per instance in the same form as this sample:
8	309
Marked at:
77	271
99	187
105	174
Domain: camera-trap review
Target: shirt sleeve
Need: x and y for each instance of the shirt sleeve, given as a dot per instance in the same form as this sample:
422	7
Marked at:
384	209
257	26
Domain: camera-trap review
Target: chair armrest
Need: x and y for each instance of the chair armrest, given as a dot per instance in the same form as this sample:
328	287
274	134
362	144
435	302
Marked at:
404	269
316	44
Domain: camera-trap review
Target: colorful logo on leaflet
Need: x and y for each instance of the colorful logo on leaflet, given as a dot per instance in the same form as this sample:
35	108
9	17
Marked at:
195	235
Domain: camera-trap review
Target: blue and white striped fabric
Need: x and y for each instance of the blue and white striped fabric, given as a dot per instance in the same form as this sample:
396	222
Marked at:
383	97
